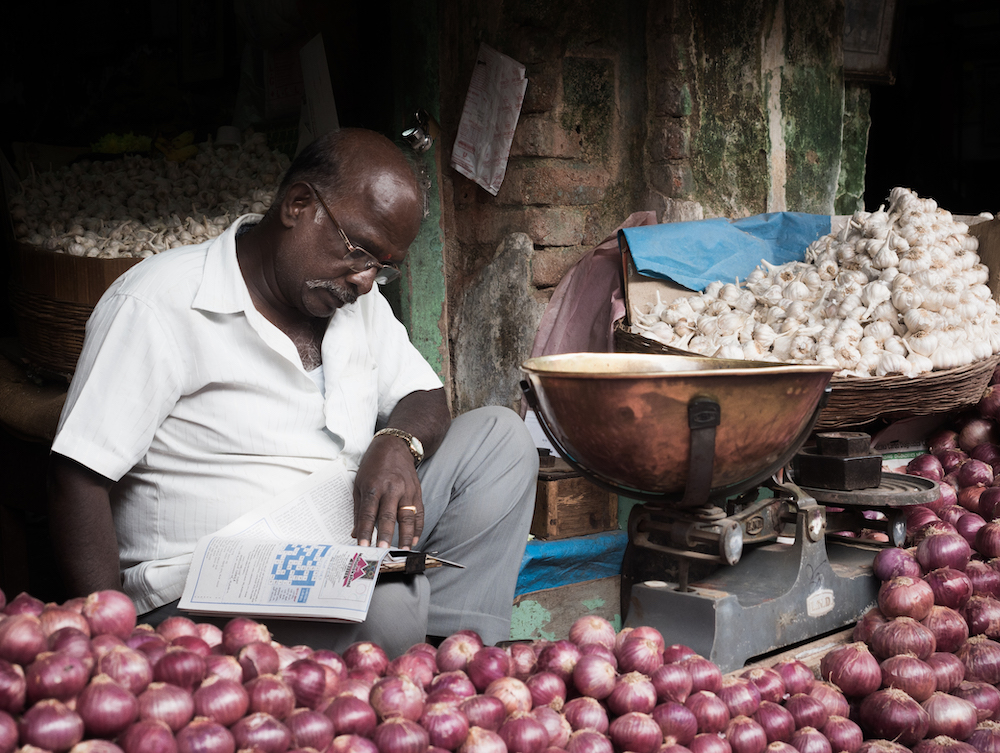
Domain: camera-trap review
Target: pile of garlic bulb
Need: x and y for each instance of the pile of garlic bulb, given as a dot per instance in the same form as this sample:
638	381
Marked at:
898	292
137	206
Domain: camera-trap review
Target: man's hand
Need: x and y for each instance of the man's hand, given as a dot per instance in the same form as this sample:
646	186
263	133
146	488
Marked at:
387	490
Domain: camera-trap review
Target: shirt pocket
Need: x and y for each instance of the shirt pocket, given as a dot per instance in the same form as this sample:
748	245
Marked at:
352	409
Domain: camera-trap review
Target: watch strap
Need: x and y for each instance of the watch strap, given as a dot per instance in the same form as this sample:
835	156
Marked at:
416	449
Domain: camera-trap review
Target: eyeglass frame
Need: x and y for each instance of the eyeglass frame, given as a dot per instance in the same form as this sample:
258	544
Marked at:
387	271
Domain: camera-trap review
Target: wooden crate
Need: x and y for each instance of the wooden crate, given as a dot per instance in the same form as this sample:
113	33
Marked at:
567	505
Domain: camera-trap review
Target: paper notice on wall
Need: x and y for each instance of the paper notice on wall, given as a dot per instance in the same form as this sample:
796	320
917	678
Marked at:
492	107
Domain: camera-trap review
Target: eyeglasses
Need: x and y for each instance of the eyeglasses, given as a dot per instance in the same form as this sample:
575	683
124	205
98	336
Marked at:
359	259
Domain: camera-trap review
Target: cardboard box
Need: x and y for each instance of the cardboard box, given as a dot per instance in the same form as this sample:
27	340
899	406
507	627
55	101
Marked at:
567	504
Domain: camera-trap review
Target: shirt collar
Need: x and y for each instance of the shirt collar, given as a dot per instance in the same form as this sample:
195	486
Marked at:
223	289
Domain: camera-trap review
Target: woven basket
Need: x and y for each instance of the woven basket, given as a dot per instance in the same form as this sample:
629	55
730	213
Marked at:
855	401
52	296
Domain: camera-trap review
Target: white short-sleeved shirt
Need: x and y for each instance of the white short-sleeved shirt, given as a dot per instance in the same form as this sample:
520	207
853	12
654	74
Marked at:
200	408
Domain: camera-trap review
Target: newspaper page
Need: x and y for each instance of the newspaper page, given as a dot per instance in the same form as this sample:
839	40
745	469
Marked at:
489	117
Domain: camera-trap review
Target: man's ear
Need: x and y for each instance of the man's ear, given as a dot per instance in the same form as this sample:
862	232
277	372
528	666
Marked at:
297	202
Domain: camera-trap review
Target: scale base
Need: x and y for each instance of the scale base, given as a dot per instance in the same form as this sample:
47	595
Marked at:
779	595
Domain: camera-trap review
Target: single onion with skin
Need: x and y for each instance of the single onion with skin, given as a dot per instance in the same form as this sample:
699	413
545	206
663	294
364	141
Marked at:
148	736
852	668
351	716
985	697
676	720
593	676
950	587
769	683
632	692
110	612
161	701
892	715
909	674
50	725
948	626
745	735
709	710
741	696
941	549
777	721
902	635
484	711
981	657
548	688
949	671
592	628
586	713
950	715
798	678
892	562
635	732
843	734
905	596
106	708
399	735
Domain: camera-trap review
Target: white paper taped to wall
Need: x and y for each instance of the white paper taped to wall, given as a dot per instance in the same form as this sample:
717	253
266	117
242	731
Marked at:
489	117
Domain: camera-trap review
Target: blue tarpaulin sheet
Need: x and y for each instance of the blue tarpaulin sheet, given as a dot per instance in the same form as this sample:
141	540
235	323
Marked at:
548	564
693	254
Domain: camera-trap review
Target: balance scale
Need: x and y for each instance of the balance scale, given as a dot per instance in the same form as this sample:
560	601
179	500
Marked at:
733	570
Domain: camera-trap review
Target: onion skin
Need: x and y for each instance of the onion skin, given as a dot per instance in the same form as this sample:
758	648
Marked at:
127	666
672	682
988	540
705	675
853	668
941	549
50	725
833	700
21	639
352	744
555	724
981	657
892	562
950	716
902	635
586	713
911	675
401	736
777	721
397	696
843	734
882	746
708	708
986	698
560	657
484	711
810	740
948	626
982	615
769	683
951	587
638	654
106	708
740	695
223	701
635	732
271	694
148	736
456	651
892	715
261	731
548	689
677	721
798	678
942	744
866	626
710	742
745	735
806	710
351	716
110	612
986	738
592	628
240	631
8	731
949	671
55	675
166	703
488	664
632	692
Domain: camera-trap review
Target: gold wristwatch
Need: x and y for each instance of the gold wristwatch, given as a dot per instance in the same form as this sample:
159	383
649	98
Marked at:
416	449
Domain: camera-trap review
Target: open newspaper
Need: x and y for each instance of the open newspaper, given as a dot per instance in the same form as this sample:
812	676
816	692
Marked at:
294	557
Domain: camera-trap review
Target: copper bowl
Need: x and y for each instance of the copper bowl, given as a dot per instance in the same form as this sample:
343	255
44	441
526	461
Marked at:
623	417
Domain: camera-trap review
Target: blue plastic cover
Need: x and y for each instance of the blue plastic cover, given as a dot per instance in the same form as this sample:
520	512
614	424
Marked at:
693	254
548	564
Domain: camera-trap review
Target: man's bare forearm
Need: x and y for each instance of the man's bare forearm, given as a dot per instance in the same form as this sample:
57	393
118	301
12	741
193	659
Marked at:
424	414
83	532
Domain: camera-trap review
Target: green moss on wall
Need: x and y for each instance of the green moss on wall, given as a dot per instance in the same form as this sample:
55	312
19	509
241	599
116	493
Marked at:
857	121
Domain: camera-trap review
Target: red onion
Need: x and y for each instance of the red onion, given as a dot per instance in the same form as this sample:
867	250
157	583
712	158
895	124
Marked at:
419	667
24	603
989	404
177	625
486	665
833	700
985	578
948	496
555	725
310	729
843	734
865	627
455	681
636	732
110	612
927	466
918	517
524	734
632	692
222	665
905	596
777	721
307	679
769	684
672	682
205	736
981	657
982	615
484	711
271	694
240	631
798	678
106	707
891	714
592	628
513	693
942	744
397	696
127	666
745	735
351	716
986	698
180	667
677	721
852	668
892	562
356	687
50	725
223	701
740	696
676	652
167	703
523	659
399	735
258	658
968	526
586	713
969	497
974	472
909	674
810	740
261	731
806	710
708	708
8	727
950	715
56	618
948	626
21	639
55	675
74	642
705	674
148	736
13	687
456	651
951	513
988	502
882	746
951	587
903	635
986	738
710	742
447	727
482	740
942	549
949	670
548	688
987	541
352	744
639	654
366	655
560	657
974	430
